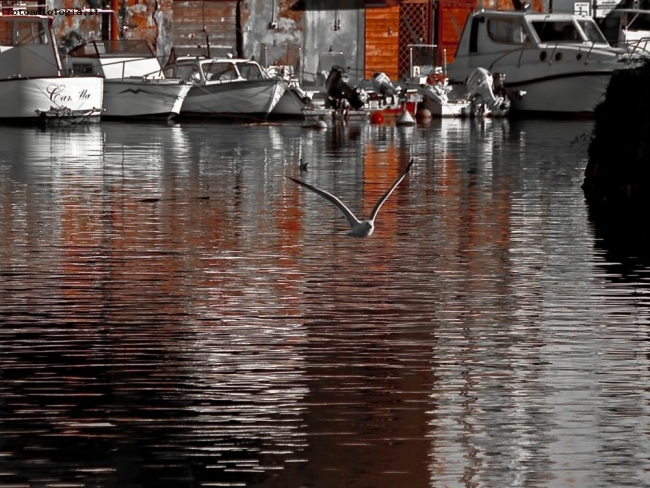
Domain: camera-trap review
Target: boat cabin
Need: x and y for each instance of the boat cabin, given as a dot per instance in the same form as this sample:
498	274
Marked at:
118	59
27	49
498	31
503	41
201	71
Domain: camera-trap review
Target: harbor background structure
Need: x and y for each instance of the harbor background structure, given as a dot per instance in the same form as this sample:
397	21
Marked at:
373	35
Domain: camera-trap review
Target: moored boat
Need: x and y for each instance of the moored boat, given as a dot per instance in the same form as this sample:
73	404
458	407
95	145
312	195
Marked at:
134	84
32	84
435	99
293	102
561	61
227	87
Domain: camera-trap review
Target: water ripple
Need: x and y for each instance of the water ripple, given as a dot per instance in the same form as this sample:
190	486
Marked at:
173	312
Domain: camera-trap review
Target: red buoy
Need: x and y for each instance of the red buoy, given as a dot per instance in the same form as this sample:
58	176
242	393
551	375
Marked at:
376	118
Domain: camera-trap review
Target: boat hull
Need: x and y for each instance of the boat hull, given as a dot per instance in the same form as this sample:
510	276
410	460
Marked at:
438	102
255	98
577	93
394	109
143	98
566	87
290	105
561	61
314	115
446	109
28	99
550	89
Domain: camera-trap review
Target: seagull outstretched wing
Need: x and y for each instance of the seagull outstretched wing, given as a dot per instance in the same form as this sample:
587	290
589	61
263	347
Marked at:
339	204
385	196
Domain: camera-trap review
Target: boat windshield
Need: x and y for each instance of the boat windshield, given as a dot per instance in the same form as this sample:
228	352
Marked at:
250	71
592	32
582	30
557	31
28	32
506	31
219	71
184	71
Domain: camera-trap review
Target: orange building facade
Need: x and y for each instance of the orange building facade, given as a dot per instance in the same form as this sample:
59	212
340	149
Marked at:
406	32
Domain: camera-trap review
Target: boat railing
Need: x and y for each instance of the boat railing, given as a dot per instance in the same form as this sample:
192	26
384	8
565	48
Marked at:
521	50
639	45
521	53
124	62
113	48
158	73
423	56
591	48
552	57
286	58
516	50
117	55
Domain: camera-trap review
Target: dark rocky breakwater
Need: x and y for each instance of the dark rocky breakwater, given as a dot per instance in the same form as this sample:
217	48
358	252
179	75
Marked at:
618	172
617	177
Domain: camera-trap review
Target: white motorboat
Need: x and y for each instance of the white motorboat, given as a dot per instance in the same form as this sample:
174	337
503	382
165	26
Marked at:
32	86
483	96
561	61
227	87
292	103
436	99
134	84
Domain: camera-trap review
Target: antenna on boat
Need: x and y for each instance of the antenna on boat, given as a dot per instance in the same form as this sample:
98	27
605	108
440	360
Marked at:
444	62
207	41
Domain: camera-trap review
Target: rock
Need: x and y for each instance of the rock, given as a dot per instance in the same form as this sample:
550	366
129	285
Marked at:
618	171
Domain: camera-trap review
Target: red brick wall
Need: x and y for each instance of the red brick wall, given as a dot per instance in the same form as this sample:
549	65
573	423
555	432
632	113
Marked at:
381	41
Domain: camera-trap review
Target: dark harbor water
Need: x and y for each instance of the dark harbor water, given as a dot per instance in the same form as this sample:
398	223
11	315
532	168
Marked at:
176	313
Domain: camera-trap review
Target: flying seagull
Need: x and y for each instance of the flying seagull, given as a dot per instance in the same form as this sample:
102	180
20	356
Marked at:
360	228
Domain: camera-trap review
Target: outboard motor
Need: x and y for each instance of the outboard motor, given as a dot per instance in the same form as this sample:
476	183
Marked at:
338	89
484	97
382	85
